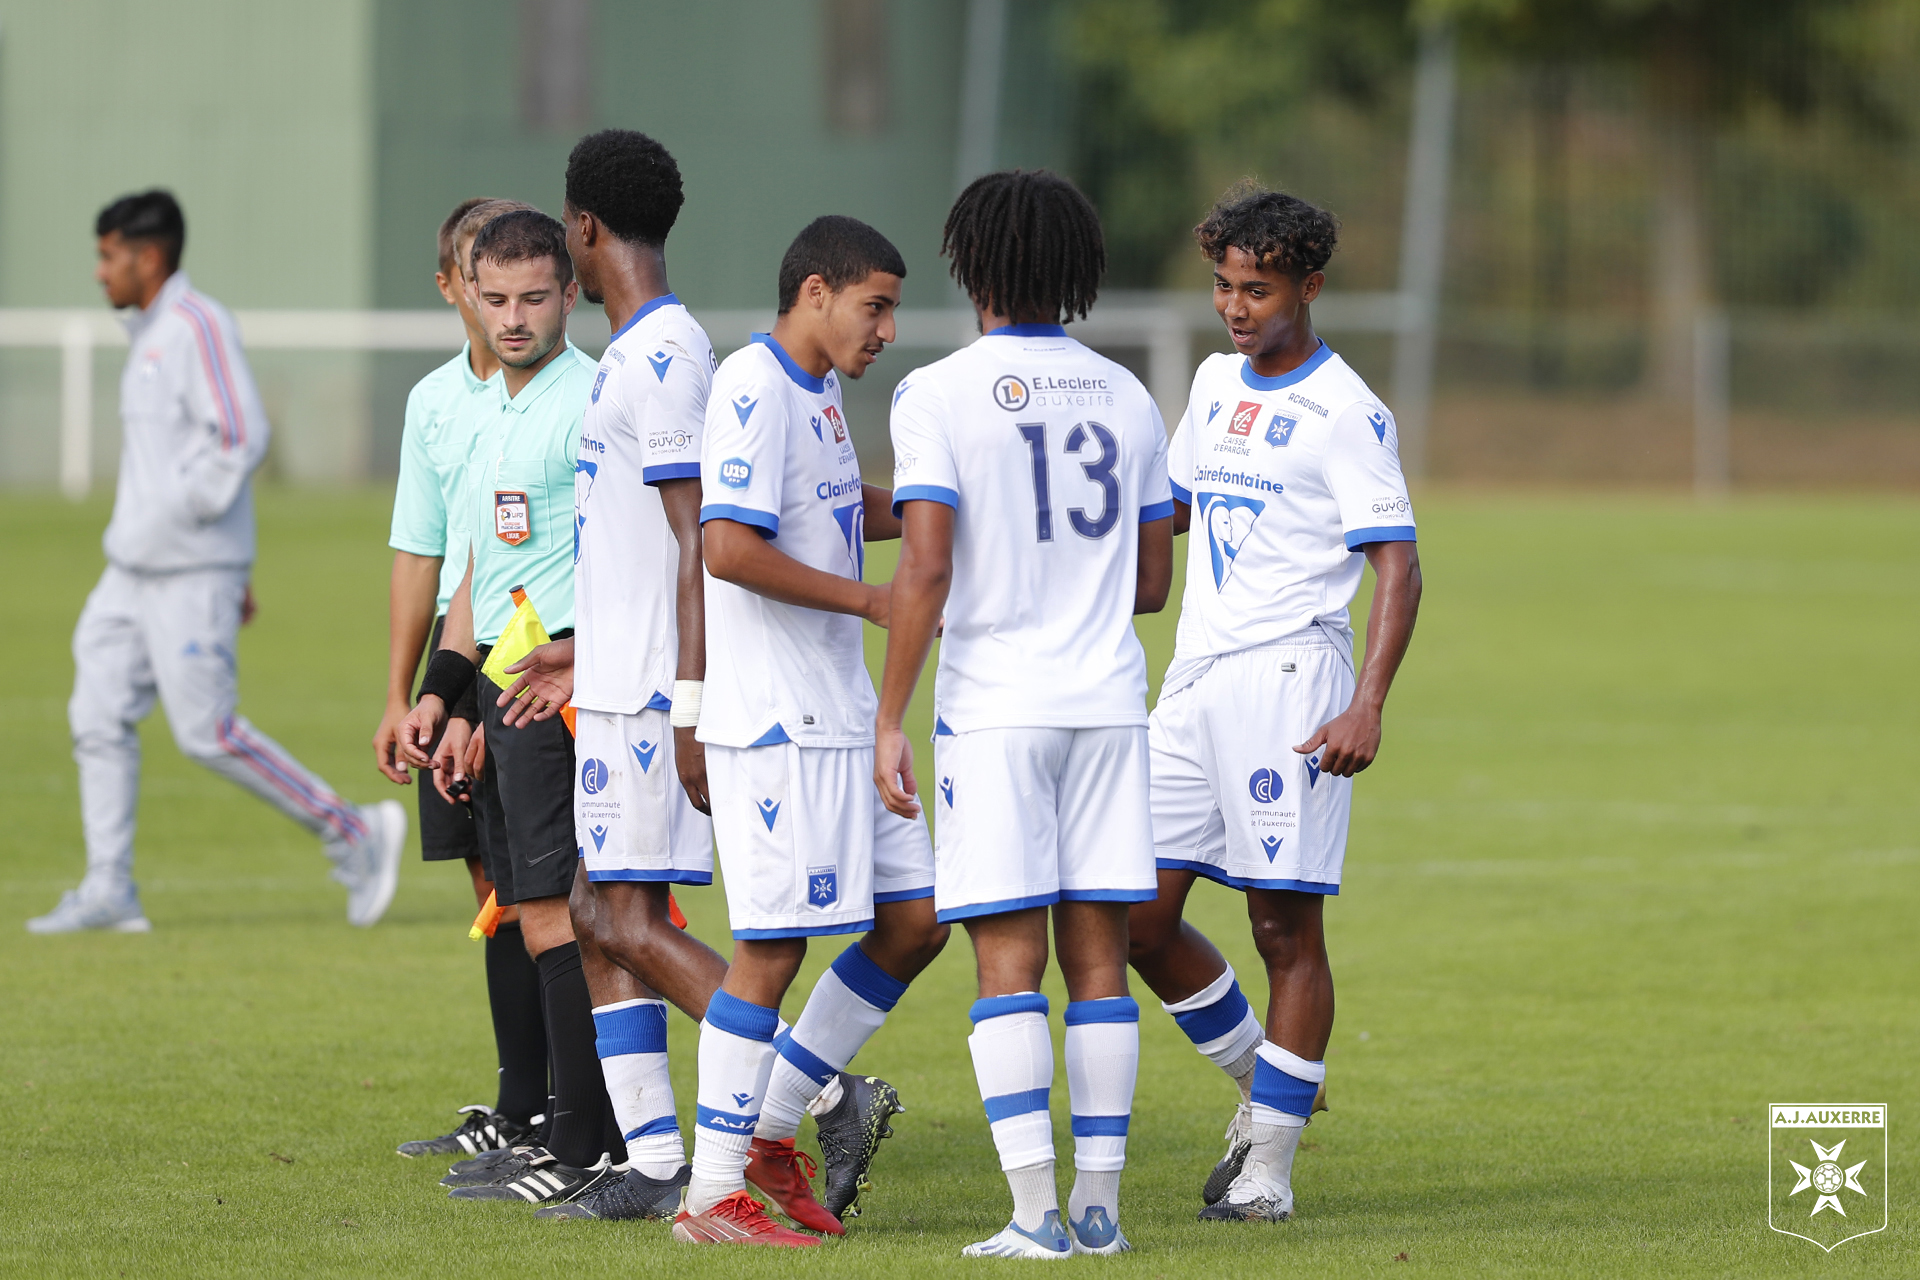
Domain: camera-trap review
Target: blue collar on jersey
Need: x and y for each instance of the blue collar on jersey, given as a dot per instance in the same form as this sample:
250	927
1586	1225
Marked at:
1028	331
664	300
1258	383
794	371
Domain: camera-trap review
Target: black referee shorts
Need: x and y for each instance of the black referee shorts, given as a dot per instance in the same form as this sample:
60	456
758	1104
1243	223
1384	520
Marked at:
523	804
446	826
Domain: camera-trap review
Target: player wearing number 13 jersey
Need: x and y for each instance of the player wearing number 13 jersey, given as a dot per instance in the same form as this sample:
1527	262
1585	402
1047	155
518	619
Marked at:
1288	469
1031	473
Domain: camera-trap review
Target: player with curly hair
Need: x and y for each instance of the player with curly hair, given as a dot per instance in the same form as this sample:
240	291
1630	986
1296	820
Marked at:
1286	467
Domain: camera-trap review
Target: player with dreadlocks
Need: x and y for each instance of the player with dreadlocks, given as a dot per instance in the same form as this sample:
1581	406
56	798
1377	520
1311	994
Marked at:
1260	726
1031	475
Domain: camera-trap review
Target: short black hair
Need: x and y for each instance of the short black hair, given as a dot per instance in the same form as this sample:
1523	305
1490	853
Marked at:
1026	242
1279	230
151	216
521	236
628	181
841	251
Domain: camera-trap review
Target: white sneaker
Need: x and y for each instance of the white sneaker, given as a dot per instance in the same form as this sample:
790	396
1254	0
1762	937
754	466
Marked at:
117	912
1048	1240
1097	1233
370	868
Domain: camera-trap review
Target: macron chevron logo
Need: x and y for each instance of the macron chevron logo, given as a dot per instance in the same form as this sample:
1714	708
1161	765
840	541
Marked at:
1272	845
1378	421
769	811
742	1099
743	407
599	835
644	754
1313	771
660	361
814	422
946	789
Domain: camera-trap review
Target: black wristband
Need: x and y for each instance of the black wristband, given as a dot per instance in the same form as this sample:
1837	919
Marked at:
449	676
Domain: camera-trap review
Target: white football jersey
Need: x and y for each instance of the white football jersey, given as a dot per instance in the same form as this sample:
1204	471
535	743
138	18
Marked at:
1288	477
777	457
1052	456
643	425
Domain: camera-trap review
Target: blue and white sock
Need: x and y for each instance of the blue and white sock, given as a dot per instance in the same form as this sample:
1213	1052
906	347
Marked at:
1283	1088
1013	1061
736	1056
1221	1025
847	1006
1103	1062
632	1041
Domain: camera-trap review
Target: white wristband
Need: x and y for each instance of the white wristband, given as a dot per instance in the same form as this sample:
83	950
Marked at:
686	704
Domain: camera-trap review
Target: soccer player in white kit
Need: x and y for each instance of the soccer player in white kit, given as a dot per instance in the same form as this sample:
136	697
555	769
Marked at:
633	667
787	719
165	617
1031	472
1288	469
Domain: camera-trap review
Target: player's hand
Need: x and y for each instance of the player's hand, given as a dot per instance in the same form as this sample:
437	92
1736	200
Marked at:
690	758
893	772
248	605
879	604
1347	743
386	743
449	761
420	729
546	677
476	756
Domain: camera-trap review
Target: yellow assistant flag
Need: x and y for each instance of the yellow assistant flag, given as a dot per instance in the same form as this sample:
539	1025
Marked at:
523	634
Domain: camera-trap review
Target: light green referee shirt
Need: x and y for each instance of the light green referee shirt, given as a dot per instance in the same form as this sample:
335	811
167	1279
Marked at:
520	495
442	411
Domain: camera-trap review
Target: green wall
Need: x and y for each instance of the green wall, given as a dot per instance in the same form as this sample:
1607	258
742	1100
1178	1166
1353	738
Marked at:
259	116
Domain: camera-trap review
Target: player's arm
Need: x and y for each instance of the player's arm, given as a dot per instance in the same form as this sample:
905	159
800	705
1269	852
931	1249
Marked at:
1349	742
1182	516
681	498
422	725
411	594
222	397
1153	574
920	585
740	554
877	517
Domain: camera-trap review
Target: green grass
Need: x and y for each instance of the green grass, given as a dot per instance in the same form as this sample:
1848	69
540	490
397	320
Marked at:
1639	858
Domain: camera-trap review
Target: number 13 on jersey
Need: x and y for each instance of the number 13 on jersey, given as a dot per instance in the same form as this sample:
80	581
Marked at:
1081	440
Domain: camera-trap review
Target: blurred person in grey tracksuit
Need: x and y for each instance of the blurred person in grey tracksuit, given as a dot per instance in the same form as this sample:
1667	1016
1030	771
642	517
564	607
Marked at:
166	614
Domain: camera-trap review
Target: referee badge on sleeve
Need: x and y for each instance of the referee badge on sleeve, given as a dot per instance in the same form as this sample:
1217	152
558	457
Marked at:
511	523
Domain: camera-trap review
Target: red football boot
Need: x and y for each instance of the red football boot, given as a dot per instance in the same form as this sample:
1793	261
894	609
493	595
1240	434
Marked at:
784	1175
738	1219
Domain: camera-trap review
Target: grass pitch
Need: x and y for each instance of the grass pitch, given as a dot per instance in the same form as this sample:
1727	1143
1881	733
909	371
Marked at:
1639	858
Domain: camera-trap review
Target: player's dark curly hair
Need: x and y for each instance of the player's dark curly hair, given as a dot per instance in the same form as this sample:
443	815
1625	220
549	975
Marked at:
841	251
1026	243
1279	230
628	181
153	217
522	236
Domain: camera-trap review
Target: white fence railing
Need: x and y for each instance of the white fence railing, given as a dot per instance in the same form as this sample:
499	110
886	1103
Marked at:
1165	326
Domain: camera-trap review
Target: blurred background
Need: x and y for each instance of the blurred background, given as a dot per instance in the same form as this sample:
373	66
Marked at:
1610	242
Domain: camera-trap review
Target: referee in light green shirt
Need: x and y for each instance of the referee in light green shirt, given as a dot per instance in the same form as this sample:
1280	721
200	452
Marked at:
429	539
519	500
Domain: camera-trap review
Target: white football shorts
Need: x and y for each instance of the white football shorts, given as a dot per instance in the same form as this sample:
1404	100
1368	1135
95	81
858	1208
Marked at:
1031	817
806	846
1232	799
631	817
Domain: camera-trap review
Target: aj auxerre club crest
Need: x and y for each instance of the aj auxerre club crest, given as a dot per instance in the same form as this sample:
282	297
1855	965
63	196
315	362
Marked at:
1827	1170
823	887
1228	518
